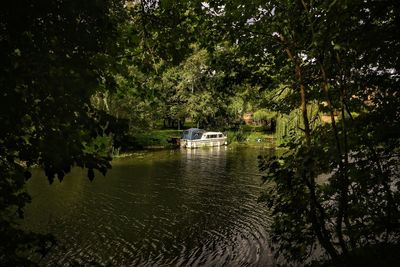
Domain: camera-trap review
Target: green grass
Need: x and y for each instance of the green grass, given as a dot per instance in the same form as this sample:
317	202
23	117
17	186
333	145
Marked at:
253	138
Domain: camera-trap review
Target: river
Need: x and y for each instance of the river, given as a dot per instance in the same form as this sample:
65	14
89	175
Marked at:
160	208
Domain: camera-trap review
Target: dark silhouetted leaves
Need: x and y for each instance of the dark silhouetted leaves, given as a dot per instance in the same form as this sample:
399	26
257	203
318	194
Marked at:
90	174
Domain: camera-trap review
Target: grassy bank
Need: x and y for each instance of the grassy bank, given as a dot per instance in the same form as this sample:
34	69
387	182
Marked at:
161	138
250	138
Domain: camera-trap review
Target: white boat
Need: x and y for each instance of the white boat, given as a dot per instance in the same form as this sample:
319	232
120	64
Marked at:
194	138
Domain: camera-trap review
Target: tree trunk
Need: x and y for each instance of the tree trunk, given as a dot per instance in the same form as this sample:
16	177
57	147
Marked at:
315	207
343	181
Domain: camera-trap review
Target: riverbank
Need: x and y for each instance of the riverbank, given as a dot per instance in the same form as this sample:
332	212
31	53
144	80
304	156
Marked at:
163	139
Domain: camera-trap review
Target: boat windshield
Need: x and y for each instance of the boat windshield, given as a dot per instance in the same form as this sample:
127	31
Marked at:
192	134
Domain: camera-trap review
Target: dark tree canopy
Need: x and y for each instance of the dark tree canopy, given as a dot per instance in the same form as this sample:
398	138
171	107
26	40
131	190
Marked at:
68	67
53	56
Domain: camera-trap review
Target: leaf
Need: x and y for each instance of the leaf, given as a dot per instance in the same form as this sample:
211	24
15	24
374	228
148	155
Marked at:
90	174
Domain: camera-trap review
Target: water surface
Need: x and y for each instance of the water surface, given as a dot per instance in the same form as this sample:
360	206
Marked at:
164	208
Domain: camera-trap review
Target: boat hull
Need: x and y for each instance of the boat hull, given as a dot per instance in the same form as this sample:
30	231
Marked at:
204	143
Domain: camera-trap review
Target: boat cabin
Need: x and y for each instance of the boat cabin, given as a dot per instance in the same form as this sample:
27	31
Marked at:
212	135
194	137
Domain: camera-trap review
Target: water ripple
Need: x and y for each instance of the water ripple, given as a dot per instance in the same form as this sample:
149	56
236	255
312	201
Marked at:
180	208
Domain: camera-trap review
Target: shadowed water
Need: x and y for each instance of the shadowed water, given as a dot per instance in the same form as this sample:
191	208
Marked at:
165	208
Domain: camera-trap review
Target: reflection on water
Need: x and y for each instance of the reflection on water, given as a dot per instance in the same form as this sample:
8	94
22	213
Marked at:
165	208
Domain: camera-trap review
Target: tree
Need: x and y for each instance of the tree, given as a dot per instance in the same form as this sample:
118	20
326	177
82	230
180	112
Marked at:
322	53
53	58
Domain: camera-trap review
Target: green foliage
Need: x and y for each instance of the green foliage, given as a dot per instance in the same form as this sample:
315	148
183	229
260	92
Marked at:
289	125
337	186
168	69
373	198
210	61
237	136
156	138
54	56
329	57
263	115
378	255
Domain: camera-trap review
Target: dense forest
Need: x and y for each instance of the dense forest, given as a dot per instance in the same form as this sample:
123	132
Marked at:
80	79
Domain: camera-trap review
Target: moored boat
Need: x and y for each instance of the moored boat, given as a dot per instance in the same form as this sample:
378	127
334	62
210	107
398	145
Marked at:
194	138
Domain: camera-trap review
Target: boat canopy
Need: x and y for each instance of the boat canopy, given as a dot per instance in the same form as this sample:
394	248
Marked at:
192	134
